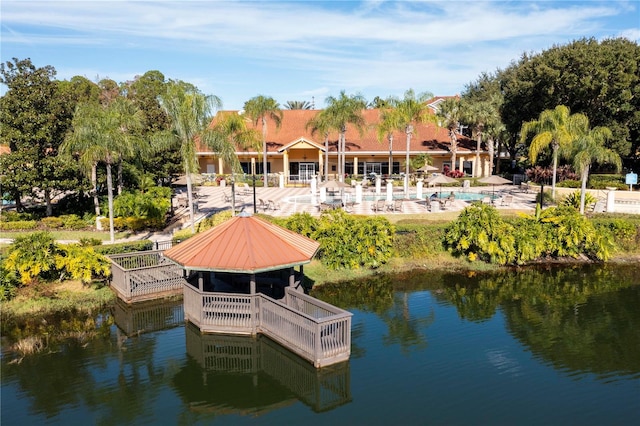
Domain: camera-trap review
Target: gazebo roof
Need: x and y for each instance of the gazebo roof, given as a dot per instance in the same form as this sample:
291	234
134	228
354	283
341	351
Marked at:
244	244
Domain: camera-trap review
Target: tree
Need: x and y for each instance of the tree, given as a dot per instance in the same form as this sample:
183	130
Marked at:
321	123
588	148
390	121
35	113
449	115
232	130
190	113
340	112
258	109
600	79
105	133
298	105
557	128
411	110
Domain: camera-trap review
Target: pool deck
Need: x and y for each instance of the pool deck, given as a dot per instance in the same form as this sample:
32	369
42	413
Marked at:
212	199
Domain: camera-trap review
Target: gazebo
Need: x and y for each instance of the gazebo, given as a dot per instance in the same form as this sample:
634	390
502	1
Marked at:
244	255
241	279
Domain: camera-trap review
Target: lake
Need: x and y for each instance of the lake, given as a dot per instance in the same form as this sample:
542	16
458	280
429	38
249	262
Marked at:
559	345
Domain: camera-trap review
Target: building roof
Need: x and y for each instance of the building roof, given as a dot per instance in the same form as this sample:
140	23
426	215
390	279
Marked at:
244	244
427	137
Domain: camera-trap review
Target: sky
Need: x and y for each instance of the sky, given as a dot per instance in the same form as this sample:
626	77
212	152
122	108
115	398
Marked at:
301	50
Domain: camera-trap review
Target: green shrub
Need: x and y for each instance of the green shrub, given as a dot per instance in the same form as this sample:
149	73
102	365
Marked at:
126	247
351	242
626	233
213	220
302	223
82	263
32	257
569	183
181	235
73	222
603	181
52	222
480	233
18	225
417	241
13	216
90	242
573	200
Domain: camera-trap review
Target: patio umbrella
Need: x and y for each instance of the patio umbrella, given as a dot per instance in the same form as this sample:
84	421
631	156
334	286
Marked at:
440	179
427	168
334	185
494	180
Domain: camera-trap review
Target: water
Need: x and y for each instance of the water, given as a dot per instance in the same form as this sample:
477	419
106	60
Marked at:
466	196
557	346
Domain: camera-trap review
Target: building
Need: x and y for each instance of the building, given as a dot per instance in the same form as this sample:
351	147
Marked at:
298	154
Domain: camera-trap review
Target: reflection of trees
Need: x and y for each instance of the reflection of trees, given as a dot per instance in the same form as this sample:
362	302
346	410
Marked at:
377	295
70	373
583	318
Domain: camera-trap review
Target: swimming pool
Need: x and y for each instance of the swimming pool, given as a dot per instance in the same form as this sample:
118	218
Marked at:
465	196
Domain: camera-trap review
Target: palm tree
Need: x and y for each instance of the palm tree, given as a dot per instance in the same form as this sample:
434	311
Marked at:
589	148
340	112
190	113
557	128
448	115
298	105
258	109
388	124
479	116
105	134
321	123
410	110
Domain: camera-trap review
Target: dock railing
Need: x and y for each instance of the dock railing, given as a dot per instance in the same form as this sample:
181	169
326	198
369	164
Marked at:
144	275
315	330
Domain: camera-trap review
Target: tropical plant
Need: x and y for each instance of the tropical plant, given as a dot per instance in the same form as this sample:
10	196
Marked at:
190	113
298	105
32	256
105	134
388	124
341	112
321	123
480	233
411	109
258	109
480	116
557	128
449	114
590	148
574	200
81	263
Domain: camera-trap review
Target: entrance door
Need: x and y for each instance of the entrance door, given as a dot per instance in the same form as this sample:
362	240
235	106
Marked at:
373	168
307	171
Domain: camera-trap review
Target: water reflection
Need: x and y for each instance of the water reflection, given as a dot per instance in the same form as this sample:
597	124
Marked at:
148	316
251	376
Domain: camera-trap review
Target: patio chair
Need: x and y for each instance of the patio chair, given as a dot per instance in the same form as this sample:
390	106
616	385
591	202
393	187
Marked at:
396	206
348	206
506	200
226	198
273	205
262	205
379	206
486	200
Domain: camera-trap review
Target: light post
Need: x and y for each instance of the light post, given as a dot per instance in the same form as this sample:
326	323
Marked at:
255	207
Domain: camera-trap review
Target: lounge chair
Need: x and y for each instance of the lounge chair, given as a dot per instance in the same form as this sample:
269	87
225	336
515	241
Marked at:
506	200
273	205
262	205
226	198
379	206
486	200
396	206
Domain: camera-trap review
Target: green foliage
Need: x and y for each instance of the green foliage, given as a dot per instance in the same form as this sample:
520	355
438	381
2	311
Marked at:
82	263
573	200
32	257
569	183
52	222
73	222
604	181
625	232
126	247
480	233
302	223
8	283
182	235
152	204
90	242
14	216
418	241
352	242
213	220
18	225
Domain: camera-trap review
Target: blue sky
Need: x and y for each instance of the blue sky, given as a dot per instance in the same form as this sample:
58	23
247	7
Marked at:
300	50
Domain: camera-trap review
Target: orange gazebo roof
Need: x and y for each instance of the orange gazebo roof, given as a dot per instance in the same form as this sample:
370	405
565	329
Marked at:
244	244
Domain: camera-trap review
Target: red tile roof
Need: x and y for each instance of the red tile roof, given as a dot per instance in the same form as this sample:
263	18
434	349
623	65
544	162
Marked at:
245	244
426	137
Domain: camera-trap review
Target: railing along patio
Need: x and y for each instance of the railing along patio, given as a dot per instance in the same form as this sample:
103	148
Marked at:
315	330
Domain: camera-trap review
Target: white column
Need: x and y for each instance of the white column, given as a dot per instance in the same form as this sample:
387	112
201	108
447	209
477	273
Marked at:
611	200
378	184
358	192
419	185
281	179
355	167
314	188
389	190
